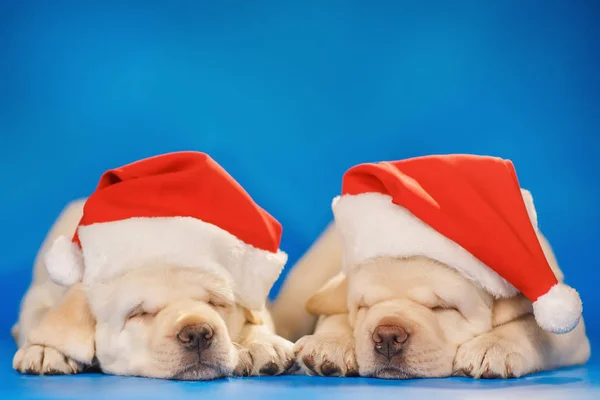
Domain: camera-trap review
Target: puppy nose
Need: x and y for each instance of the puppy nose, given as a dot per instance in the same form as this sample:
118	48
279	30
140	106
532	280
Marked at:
196	337
389	340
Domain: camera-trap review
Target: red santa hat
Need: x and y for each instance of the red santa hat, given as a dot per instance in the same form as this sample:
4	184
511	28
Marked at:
468	212
180	208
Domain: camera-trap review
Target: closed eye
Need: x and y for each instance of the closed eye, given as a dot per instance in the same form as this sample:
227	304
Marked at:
219	303
447	308
139	312
444	308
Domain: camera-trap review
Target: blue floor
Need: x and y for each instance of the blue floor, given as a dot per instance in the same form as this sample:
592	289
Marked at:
570	383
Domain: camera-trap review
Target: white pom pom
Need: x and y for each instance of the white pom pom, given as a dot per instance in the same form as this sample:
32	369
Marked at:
559	310
64	262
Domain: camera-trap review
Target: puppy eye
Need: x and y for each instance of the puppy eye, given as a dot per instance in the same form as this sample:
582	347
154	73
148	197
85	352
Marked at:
138	312
217	304
442	308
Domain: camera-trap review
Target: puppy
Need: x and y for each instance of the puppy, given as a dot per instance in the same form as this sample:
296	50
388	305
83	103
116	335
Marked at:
160	321
414	317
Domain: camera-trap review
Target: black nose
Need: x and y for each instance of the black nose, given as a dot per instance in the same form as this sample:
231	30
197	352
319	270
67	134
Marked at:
389	340
196	337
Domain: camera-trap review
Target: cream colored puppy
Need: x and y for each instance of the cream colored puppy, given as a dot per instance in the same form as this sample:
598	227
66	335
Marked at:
161	321
414	317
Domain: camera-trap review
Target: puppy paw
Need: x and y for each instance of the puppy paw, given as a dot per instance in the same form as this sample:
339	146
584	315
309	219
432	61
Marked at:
42	360
326	355
490	356
269	355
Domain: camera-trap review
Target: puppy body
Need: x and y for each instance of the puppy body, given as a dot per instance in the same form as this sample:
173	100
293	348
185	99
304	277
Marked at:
415	317
319	264
162	321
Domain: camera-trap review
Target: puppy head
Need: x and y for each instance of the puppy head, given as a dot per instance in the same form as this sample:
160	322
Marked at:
408	315
159	321
166	322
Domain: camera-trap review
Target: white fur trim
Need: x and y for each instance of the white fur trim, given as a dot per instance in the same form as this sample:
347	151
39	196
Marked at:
559	310
528	200
113	248
372	226
64	262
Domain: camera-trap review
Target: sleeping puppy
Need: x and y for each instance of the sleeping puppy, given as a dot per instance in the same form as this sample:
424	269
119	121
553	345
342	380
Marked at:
446	273
161	321
414	317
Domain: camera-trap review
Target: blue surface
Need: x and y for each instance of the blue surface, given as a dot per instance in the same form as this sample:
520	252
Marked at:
286	97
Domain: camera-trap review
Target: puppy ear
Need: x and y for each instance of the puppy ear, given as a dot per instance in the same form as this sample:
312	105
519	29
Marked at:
331	299
69	327
253	317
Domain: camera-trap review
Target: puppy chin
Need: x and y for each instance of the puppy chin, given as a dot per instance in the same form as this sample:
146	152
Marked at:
393	373
409	365
375	368
215	364
202	372
401	372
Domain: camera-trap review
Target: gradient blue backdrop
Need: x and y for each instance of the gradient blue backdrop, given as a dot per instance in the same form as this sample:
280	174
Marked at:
286	96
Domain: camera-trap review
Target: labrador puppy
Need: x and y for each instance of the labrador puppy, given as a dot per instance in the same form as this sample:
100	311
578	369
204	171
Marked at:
401	318
162	321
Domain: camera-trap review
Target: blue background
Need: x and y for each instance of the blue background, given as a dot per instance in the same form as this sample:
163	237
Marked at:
286	96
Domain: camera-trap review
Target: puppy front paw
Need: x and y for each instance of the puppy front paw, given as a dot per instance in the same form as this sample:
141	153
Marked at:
268	355
327	355
42	360
491	356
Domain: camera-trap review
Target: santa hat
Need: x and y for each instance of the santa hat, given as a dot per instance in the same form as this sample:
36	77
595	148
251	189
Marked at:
468	212
182	209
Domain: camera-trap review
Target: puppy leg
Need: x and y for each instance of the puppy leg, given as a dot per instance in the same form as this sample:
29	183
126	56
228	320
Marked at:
62	342
38	300
518	348
262	352
43	294
330	350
